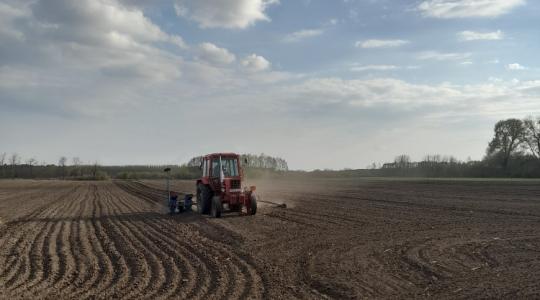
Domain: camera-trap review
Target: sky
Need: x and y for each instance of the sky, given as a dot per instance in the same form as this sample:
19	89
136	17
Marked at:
321	83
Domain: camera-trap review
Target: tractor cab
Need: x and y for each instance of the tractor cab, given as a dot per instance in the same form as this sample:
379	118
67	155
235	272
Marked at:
222	172
221	184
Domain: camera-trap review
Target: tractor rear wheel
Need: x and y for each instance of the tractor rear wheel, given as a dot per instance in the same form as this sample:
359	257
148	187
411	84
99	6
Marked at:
217	207
203	199
252	208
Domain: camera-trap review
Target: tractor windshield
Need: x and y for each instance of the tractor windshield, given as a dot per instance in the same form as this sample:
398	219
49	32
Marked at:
229	166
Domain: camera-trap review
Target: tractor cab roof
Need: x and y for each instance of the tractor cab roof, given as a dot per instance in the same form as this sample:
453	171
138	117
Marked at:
213	155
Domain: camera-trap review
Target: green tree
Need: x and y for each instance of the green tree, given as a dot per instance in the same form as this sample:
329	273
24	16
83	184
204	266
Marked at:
14	161
402	161
62	164
509	136
2	163
31	163
532	135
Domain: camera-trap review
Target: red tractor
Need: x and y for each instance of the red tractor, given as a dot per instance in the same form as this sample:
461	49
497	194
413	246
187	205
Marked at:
221	183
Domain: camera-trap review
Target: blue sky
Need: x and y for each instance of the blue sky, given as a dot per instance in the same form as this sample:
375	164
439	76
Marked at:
321	83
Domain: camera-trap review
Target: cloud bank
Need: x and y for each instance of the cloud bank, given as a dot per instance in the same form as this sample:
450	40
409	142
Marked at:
476	36
232	14
450	9
380	43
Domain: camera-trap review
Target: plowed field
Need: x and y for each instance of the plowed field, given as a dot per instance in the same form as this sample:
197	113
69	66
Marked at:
336	239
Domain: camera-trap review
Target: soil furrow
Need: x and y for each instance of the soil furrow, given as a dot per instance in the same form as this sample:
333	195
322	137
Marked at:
84	259
219	287
237	279
102	250
175	266
26	263
155	268
139	272
25	235
122	271
183	249
37	263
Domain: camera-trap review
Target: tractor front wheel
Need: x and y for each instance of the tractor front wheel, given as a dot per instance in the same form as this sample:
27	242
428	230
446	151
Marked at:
252	208
203	199
217	207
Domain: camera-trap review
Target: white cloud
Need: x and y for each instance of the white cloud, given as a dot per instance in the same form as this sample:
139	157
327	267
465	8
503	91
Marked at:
434	55
92	36
9	14
302	34
515	67
374	68
372	92
503	98
380	43
332	22
475	36
224	13
89	21
448	9
213	54
255	63
83	58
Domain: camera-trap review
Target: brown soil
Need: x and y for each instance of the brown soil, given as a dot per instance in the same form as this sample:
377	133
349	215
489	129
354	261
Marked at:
336	239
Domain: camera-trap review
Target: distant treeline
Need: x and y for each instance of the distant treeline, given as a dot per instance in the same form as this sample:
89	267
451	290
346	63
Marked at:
153	172
514	151
13	167
75	171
